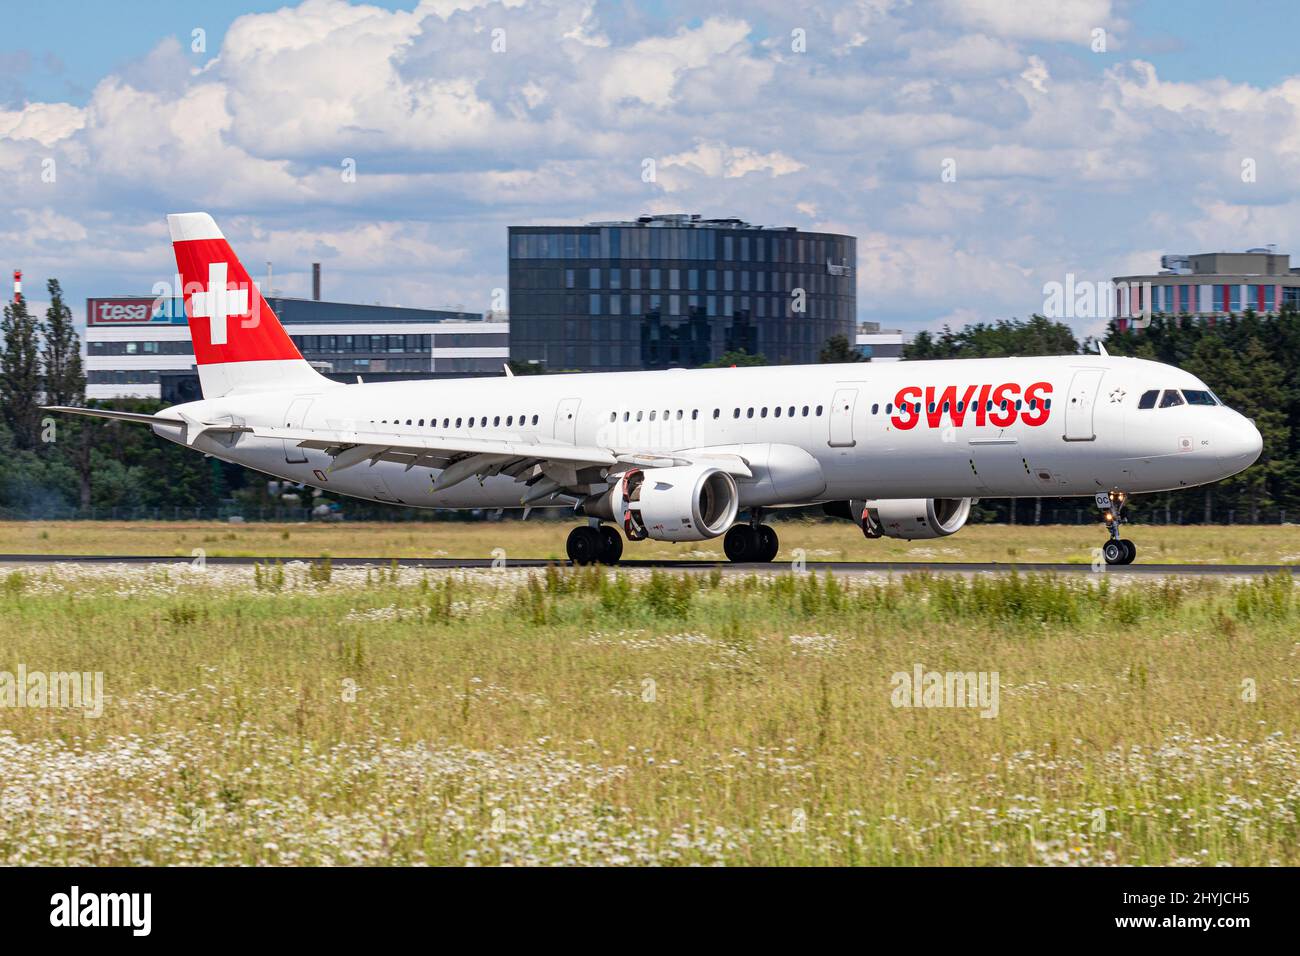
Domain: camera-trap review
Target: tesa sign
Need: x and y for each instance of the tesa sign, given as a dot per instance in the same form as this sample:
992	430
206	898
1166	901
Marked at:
161	311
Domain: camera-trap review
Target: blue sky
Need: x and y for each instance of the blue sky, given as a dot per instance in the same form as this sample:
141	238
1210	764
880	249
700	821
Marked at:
1067	159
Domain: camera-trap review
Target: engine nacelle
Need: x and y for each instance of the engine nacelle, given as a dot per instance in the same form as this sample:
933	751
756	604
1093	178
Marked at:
914	518
682	503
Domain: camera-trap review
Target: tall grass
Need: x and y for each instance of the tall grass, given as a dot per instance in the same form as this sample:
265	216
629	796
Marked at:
287	714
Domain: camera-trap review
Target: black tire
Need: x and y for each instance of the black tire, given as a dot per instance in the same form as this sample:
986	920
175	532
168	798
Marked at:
611	545
1114	552
768	543
583	545
1131	549
742	544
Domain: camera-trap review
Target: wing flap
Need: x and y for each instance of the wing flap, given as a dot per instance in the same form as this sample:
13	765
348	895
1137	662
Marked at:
401	447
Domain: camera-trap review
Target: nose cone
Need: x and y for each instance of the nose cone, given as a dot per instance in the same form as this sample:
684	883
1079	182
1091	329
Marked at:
1239	445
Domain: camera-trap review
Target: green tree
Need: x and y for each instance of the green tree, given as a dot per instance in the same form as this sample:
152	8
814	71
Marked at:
65	381
839	349
1033	336
20	374
739	357
1251	382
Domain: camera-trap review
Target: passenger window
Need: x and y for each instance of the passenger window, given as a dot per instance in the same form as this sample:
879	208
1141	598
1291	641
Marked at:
805	411
717	412
626	415
791	412
1170	398
638	415
534	419
875	408
653	413
889	408
613	416
510	420
762	412
749	413
483	422
1148	399
819	411
931	407
695	414
458	423
736	413
496	420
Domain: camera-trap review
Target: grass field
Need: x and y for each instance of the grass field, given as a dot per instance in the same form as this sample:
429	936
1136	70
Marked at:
305	714
820	540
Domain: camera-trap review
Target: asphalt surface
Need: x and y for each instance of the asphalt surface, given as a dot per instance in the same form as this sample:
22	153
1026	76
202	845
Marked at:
845	567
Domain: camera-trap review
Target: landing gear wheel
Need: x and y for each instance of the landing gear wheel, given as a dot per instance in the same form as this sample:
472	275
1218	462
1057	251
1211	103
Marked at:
1117	550
742	544
768	543
1116	553
611	545
583	545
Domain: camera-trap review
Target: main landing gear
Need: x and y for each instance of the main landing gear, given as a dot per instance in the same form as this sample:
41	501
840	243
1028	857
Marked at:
595	542
1117	550
753	542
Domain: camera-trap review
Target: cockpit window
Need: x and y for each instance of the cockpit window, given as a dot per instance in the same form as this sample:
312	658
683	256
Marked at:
1148	399
1198	397
1170	398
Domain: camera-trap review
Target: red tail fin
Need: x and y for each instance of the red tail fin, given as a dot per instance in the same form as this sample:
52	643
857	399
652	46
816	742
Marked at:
238	341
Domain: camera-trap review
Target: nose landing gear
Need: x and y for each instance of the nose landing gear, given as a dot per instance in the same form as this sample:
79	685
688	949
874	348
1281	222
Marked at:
1117	550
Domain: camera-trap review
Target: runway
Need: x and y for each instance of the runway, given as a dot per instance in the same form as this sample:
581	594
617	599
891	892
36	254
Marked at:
838	567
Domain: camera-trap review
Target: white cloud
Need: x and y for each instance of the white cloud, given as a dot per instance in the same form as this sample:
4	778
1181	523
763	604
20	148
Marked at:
648	71
718	160
43	123
1068	21
1067	169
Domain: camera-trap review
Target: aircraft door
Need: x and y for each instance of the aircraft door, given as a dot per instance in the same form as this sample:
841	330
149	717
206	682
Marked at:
841	418
566	420
294	417
1080	404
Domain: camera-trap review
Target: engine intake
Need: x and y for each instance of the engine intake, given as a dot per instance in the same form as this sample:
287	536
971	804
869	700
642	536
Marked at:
682	503
914	518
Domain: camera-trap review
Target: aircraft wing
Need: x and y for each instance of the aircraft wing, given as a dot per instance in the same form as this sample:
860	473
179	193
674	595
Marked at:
546	467
542	464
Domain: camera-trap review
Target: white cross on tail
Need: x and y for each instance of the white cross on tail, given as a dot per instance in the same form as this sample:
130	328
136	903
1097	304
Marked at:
219	303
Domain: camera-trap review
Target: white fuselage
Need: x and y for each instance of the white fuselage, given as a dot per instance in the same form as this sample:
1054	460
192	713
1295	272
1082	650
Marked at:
839	433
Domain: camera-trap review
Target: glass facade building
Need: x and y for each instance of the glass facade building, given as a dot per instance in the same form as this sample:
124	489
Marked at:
667	291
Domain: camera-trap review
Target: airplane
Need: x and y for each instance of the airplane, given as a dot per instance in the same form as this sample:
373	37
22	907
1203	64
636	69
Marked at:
901	449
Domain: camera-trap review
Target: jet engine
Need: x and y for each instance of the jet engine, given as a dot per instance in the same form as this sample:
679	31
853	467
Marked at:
681	503
913	518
